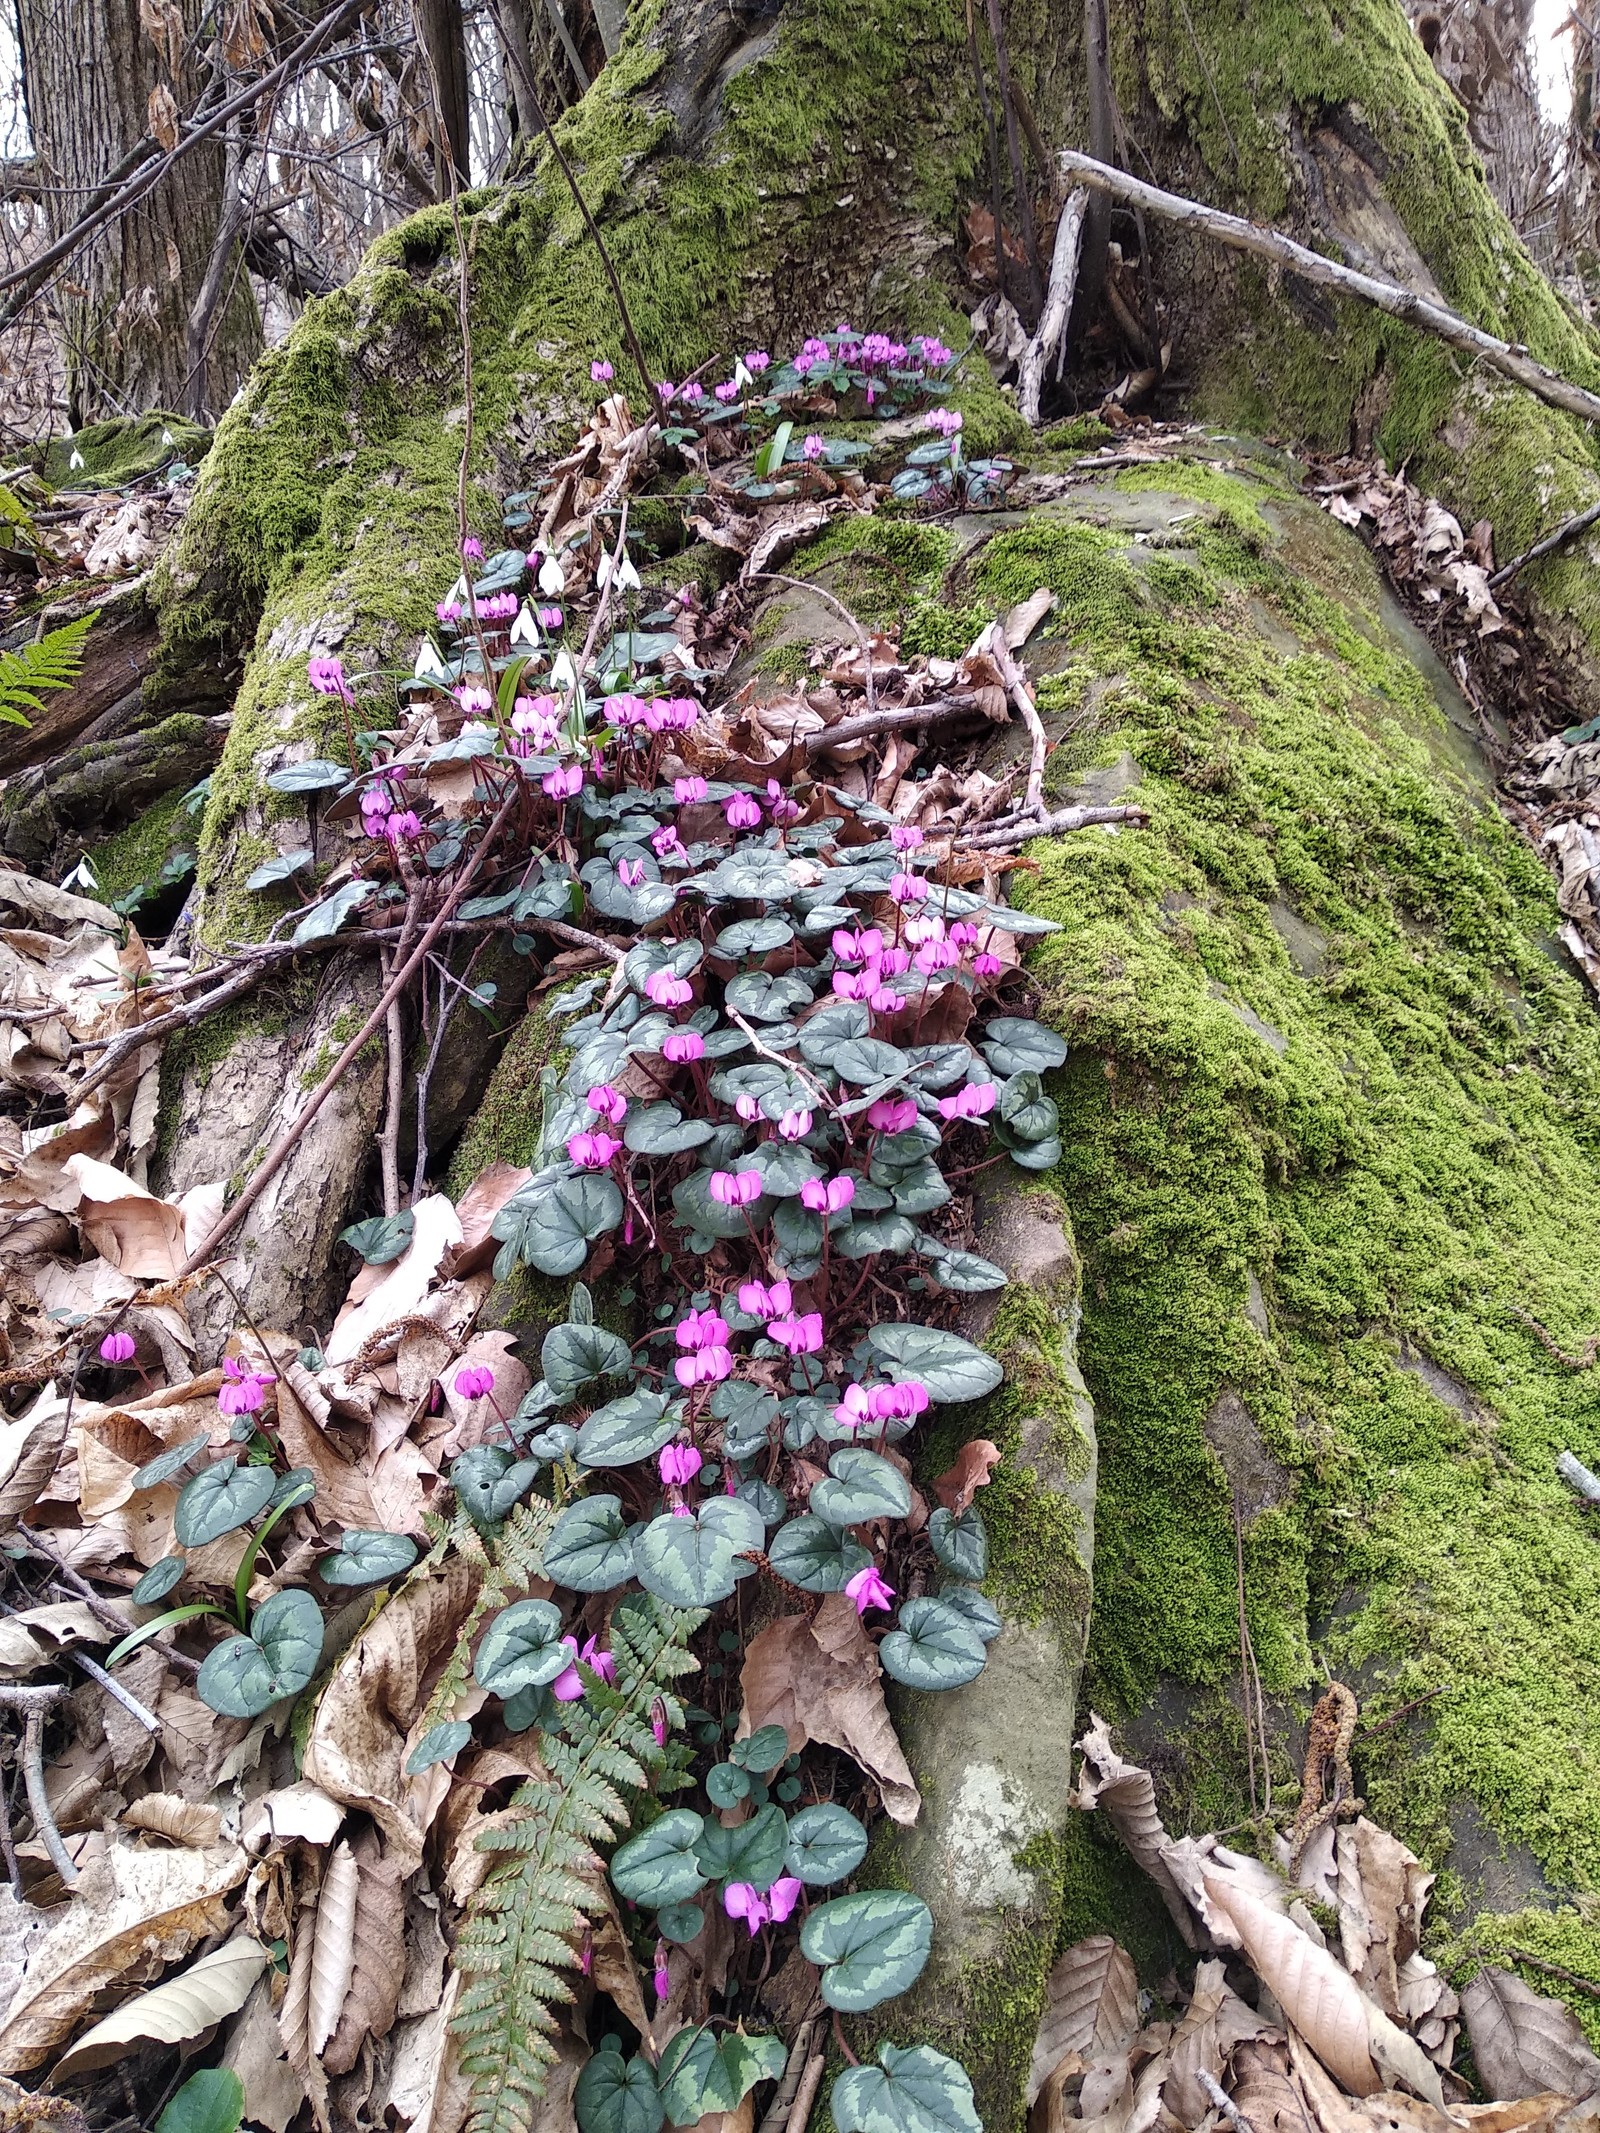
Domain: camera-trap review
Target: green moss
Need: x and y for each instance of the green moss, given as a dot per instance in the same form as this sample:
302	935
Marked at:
507	1124
111	454
1568	1938
135	856
1395	1134
1236	500
343	1027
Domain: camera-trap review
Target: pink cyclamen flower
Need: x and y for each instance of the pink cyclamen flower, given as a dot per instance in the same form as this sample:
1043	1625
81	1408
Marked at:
794	1125
743	812
898	1403
964	934
669	847
601	372
756	360
563	783
905	837
630	872
986	966
868	1589
117	1348
592	1151
327	677
946	420
735	1188
625	709
857	947
598	1661
747	1108
448	611
473	1381
854	1411
701	1329
549	618
665	390
568	1687
472	549
658	1721
691	390
671	714
679	1464
682	1046
377	803
707	1366
244	1391
907	888
937	955
828	1195
892	1114
886	1002
687	790
759	1299
856	984
667	989
813	448
403	825
894	962
608	1103
728	391
662	1976
801	1335
976	1100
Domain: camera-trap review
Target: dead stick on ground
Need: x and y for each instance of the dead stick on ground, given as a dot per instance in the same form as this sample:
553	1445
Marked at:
1401	303
776	2115
1568	530
1009	834
1577	1476
1057	306
1571	1977
806	2094
33	1703
1221	2101
278	1154
820	592
871	724
1016	684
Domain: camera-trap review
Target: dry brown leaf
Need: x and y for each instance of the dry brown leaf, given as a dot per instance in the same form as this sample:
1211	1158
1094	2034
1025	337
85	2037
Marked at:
29	1450
127	1225
184	1821
426	2089
254	2051
820	1680
334	1951
1522	2042
1022	620
195	1740
380	1957
343	1494
39	1635
1196	2047
298	1810
1380	1889
1127	1793
1268	2096
133	1904
1526	2114
1091	2007
404	1284
476	1210
294	2016
358	1738
206	1993
474	1420
974	1465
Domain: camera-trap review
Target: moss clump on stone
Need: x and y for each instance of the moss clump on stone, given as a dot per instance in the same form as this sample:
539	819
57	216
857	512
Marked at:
134	857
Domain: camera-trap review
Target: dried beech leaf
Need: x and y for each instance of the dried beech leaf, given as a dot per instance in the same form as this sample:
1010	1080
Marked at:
976	1460
184	1821
1380	1890
380	1958
343	1493
39	1635
1267	2093
294	2017
1195	2047
132	1904
1128	1795
334	1952
820	1680
206	1993
29	1450
476	1210
254	2051
1523	2043
1091	2007
1323	2001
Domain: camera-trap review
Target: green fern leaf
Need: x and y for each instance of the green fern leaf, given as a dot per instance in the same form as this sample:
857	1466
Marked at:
49	662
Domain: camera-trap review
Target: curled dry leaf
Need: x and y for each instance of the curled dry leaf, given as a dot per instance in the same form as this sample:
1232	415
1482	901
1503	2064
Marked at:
298	1810
206	1993
820	1680
1127	1793
184	1821
476	1210
39	1635
29	1450
1091	2007
1381	1889
333	1952
1523	2042
972	1468
379	1967
135	1903
254	2051
404	1284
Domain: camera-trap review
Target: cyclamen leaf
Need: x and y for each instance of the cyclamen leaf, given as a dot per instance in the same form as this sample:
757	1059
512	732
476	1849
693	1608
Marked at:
701	2074
762	1750
692	1201
866	1060
951	1368
617	2095
825	1844
966	1272
749	1851
1037	1155
815	1556
437	1745
554	1233
662	1129
879	1233
219	1499
682	1922
246	1675
754	936
381	1239
317	775
975	1608
763	998
625	1431
367	1557
933	1647
272	872
961	1544
727	1784
325	919
917	2090
158	1581
588	1547
693	1561
488	1481
167	1465
1025	1108
869	1946
860	1485
1014	1045
573	1356
839	1022
521	1649
659	1866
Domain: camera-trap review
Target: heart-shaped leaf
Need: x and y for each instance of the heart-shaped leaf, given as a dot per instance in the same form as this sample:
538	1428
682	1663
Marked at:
382	1238
588	1547
747	1414
867	1061
869	1947
917	2090
975	1608
837	1022
961	1544
933	1647
488	1482
727	1784
272	873
437	1745
754	936
702	2072
627	1430
1026	1109
860	1485
919	1190
573	1356
316	775
1013	1045
210	2101
368	1557
692	1201
554	1231
753	874
951	1368
762	1750
681	1922
693	1561
1035	1155
825	1843
761	998
168	1465
783	1168
748	1851
878	1233
659	1865
219	1499
324	919
246	1675
799	1233
964	1271
935	1066
617	2095
815	1556
662	1129
521	1649
158	1581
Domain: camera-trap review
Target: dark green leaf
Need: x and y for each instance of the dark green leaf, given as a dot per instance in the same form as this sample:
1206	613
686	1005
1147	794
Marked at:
324	919
437	1745
961	1544
750	1851
368	1557
317	775
933	1647
246	1675
869	1947
693	1561
211	2101
224	1496
917	2090
588	1547
382	1238
754	936
627	1430
488	1481
867	1061
553	1230
617	2095
681	1922
860	1485
272	873
965	1271
659	1866
701	2074
826	1843
976	1609
168	1465
1013	1045
158	1581
727	1784
815	1556
950	1367
573	1356
662	1129
521	1649
762	1750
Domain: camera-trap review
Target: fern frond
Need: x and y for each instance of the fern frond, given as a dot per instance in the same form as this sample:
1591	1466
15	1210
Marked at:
524	1920
50	662
512	1560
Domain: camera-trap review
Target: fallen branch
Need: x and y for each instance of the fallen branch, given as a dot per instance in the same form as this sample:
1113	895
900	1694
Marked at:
1219	2099
1573	1471
1511	361
1057	306
871	723
1568	530
1056	825
33	1703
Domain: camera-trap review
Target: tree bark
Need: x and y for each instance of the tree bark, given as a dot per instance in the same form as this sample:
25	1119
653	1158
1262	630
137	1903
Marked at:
124	303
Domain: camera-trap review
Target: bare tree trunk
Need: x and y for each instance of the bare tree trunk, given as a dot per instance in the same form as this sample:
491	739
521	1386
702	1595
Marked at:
443	38
98	83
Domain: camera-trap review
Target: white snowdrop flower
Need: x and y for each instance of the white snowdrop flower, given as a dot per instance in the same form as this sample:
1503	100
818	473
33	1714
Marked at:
563	674
552	578
429	666
524	630
76	458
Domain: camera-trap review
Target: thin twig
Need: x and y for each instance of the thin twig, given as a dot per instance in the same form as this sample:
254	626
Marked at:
1220	2100
1568	530
805	2095
113	1688
1573	1471
1382	1725
34	1703
1057	306
821	592
776	2116
394	1040
1244	1660
1022	829
1570	1977
8	1843
868	725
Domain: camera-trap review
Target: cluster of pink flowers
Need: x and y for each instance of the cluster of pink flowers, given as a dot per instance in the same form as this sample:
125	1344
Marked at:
243	1390
382	815
656	714
535	724
704	1337
862	1405
741	1900
946	420
498	607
